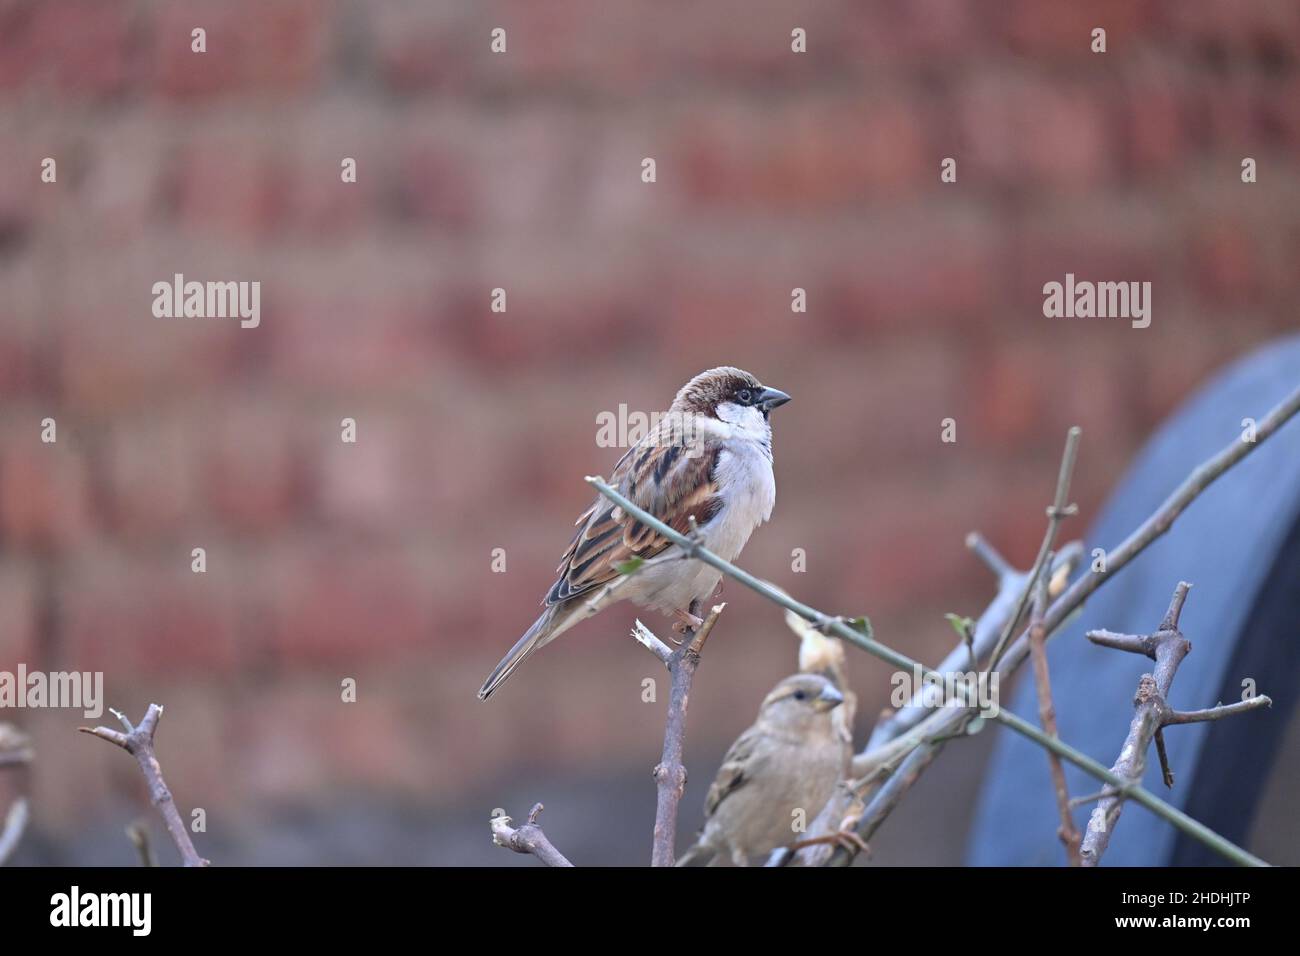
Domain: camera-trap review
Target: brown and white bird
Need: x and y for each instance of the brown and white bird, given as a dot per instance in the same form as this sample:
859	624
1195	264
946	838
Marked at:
709	458
788	761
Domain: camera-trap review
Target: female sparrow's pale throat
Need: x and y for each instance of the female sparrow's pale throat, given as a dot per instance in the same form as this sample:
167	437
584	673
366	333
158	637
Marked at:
709	457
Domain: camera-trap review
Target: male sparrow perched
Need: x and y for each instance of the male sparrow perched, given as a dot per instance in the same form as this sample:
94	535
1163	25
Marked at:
710	458
790	759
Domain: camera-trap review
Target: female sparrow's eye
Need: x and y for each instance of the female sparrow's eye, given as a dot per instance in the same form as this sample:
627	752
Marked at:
800	695
745	396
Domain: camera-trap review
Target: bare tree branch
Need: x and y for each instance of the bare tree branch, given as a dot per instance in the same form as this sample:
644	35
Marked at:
529	838
1215	713
1144	644
1167	647
138	742
670	773
1068	832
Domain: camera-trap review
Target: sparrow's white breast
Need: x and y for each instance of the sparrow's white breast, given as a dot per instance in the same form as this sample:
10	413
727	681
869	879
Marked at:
747	488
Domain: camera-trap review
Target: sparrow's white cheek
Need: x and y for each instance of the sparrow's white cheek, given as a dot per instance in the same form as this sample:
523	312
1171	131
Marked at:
745	420
729	412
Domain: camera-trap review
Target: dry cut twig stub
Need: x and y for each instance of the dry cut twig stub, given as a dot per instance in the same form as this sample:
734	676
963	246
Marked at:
138	742
1167	647
528	838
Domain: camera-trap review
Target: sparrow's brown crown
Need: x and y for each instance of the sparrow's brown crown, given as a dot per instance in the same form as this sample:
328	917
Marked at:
706	391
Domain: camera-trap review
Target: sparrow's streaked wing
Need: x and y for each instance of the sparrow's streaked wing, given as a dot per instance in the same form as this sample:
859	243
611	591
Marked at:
670	480
739	765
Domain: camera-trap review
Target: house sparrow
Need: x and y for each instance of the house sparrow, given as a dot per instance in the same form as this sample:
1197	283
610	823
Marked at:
710	458
790	759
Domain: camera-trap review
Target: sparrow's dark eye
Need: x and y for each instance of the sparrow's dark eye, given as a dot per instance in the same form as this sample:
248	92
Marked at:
801	695
745	396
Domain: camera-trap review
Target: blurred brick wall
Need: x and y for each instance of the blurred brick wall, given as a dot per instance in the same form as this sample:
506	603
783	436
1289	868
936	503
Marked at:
775	170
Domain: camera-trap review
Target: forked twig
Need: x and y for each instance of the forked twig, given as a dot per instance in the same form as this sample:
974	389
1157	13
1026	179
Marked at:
138	742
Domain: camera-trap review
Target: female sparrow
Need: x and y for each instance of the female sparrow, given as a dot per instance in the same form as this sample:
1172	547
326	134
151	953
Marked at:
790	759
709	458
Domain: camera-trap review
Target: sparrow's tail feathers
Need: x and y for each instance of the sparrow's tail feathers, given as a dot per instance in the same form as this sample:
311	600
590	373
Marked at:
552	622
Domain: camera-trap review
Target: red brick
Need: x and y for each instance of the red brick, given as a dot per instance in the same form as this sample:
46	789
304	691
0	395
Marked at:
23	197
339	606
18	612
1096	240
564	47
860	388
77	46
916	277
1225	262
122	186
529	161
315	200
44	493
1280	112
426	46
152	472
1236	27
1151	112
135	617
360	484
105	367
329	340
1011	387
603	308
1061	32
696	299
252	470
1023	129
436	185
25	362
223	184
1226	113
898	35
908	551
250	47
1202	344
818	154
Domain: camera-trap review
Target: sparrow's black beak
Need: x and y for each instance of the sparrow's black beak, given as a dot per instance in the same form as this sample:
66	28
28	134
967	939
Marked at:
770	398
829	698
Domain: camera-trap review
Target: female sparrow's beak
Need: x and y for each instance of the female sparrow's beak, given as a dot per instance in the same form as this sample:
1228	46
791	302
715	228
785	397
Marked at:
770	398
829	698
